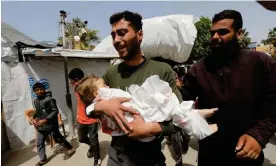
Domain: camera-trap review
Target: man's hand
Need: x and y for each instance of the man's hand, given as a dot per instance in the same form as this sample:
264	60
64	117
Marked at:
248	147
42	122
142	129
114	109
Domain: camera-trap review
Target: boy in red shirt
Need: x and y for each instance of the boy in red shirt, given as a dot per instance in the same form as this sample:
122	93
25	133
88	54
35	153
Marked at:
87	127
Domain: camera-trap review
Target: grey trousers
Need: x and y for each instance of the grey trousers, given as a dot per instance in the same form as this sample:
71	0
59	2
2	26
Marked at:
41	137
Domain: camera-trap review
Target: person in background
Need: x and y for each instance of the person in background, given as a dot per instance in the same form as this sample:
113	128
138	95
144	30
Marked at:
242	85
180	140
45	119
87	127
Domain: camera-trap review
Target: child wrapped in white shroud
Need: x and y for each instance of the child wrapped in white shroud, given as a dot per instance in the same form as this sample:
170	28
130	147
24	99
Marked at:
156	102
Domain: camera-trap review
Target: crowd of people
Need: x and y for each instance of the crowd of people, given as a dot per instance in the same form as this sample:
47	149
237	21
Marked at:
233	89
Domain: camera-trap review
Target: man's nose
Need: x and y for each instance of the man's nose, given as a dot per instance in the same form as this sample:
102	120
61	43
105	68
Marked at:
215	36
116	40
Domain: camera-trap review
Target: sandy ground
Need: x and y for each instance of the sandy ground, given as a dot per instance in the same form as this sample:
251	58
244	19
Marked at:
29	157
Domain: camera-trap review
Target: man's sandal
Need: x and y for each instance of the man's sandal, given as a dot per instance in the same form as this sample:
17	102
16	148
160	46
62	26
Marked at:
41	163
69	154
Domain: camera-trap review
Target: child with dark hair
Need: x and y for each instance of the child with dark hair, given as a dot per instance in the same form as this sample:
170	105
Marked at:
45	120
87	127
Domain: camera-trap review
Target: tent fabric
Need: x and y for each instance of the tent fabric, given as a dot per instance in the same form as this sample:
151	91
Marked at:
51	68
16	90
17	77
16	98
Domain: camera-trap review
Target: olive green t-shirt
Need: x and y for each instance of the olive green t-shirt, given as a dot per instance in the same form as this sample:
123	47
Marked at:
122	76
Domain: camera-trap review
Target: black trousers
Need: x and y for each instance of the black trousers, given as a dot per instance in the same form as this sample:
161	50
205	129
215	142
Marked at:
88	134
41	137
116	158
126	152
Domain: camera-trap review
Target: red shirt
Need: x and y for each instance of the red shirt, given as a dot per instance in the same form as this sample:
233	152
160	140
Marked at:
81	115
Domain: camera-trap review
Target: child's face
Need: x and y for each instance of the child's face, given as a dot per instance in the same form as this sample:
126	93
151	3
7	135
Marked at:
39	92
73	82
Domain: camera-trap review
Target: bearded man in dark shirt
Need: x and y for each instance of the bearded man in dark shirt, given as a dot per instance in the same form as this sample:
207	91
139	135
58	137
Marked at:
242	84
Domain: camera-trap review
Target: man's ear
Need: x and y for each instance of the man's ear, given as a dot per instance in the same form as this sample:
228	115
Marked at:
140	35
239	34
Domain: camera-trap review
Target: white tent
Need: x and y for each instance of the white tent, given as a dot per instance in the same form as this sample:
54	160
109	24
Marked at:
15	96
39	64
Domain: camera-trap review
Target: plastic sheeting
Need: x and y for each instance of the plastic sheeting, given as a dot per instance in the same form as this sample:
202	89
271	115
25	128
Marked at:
16	98
170	37
8	54
16	91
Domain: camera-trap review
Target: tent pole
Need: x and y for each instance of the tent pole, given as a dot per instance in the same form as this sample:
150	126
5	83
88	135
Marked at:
67	95
69	101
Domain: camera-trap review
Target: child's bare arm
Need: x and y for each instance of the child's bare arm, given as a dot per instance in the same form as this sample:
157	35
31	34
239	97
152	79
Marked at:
206	113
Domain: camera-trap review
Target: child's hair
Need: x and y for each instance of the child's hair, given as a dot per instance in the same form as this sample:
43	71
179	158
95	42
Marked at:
38	85
86	89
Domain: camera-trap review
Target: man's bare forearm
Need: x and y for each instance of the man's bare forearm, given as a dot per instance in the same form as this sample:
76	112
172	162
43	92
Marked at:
155	129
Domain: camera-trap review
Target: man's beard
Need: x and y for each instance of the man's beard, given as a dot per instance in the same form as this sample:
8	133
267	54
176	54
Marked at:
222	55
225	51
132	50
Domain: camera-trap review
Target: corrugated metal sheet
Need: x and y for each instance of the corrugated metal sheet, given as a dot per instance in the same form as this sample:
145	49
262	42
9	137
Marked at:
13	36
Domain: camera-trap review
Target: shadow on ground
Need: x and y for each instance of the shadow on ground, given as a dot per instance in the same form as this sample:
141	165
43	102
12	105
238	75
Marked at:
104	148
185	164
21	156
273	140
268	163
60	150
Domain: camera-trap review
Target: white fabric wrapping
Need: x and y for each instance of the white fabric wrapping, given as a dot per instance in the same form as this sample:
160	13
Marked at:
156	102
